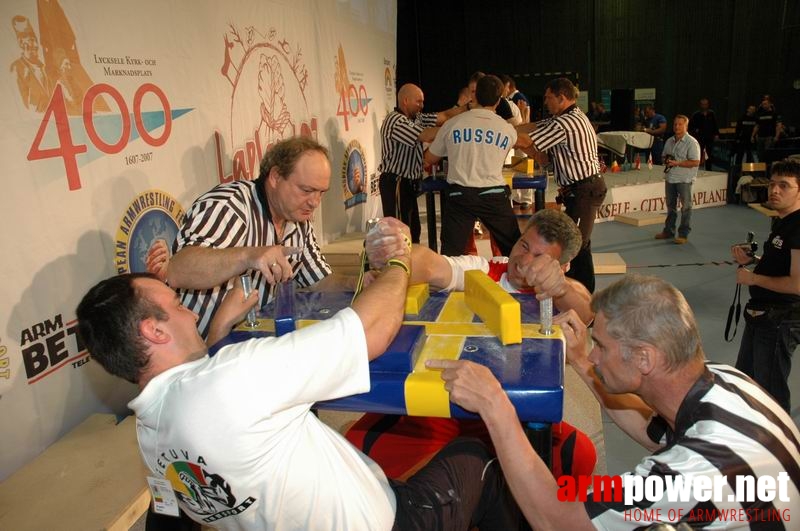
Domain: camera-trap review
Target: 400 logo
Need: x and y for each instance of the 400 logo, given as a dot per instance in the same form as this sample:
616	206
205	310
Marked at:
354	175
268	102
150	223
388	84
79	125
203	492
353	99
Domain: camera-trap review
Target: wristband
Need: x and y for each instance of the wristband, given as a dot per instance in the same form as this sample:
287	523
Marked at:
407	240
394	262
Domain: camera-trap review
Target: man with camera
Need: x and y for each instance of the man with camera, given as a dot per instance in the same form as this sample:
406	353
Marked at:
772	316
681	159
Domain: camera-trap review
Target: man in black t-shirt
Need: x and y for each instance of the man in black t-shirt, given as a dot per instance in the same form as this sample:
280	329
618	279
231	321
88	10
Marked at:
772	316
746	134
766	131
703	127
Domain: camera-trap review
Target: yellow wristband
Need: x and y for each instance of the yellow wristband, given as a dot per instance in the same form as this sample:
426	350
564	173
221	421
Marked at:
407	240
394	262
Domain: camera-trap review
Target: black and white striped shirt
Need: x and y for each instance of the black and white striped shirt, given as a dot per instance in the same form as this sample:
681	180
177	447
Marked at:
726	426
401	150
237	215
571	142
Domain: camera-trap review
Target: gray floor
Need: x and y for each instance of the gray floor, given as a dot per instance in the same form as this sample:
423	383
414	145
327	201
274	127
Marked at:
709	288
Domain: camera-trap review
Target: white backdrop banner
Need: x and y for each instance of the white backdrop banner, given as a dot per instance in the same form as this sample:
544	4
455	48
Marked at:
116	116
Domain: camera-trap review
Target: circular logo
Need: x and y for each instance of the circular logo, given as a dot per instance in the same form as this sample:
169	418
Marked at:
152	219
354	175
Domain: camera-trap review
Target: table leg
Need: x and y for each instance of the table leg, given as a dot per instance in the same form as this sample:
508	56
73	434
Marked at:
540	435
538	199
430	202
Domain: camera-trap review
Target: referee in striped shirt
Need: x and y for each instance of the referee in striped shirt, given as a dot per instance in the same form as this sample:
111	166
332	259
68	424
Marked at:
570	141
702	422
402	134
261	228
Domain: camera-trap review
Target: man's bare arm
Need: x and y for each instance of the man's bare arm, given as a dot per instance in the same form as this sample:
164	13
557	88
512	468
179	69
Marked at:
195	267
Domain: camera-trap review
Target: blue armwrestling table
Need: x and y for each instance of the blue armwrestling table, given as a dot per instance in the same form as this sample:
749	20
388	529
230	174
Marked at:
531	372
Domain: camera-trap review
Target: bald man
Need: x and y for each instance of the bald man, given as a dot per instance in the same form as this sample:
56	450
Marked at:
402	134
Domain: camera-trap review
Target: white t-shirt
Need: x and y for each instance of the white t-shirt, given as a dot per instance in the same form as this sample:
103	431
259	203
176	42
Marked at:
235	437
476	144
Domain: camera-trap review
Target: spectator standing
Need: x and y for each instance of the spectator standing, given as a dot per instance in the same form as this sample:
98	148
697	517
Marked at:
655	126
703	127
682	157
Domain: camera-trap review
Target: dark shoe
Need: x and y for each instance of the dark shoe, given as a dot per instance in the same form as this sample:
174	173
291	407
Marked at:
680	240
663	235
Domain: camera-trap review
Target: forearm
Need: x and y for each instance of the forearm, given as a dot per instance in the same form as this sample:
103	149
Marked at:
687	163
577	298
443	116
196	267
430	158
428	267
217	330
428	134
380	308
787	284
530	480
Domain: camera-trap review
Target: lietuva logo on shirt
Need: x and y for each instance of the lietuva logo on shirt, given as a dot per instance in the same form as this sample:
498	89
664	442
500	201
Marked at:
200	490
479	136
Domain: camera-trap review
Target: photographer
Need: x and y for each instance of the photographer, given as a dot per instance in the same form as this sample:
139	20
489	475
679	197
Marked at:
681	159
772	316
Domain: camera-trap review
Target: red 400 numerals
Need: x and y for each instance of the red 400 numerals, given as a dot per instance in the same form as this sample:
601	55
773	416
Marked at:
67	150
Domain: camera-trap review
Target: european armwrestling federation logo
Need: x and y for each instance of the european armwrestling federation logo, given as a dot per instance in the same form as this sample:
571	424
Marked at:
354	175
203	492
152	219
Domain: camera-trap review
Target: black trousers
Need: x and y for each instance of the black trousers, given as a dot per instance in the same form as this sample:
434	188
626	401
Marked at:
460	488
399	200
491	205
582	201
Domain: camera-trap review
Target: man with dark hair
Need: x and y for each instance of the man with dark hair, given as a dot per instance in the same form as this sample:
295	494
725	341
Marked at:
704	422
569	139
503	108
766	131
772	316
261	228
682	156
536	264
517	97
655	126
746	135
402	133
234	434
476	144
703	127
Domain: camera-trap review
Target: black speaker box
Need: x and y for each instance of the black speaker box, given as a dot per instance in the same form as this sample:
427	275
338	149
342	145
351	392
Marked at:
622	110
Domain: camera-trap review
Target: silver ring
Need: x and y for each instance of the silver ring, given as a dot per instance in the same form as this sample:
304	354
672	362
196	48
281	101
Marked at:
274	264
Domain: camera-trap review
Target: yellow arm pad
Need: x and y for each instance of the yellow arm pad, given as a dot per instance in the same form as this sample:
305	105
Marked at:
499	311
416	295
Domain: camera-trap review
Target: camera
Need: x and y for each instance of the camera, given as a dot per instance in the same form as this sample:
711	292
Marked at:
750	247
666	159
